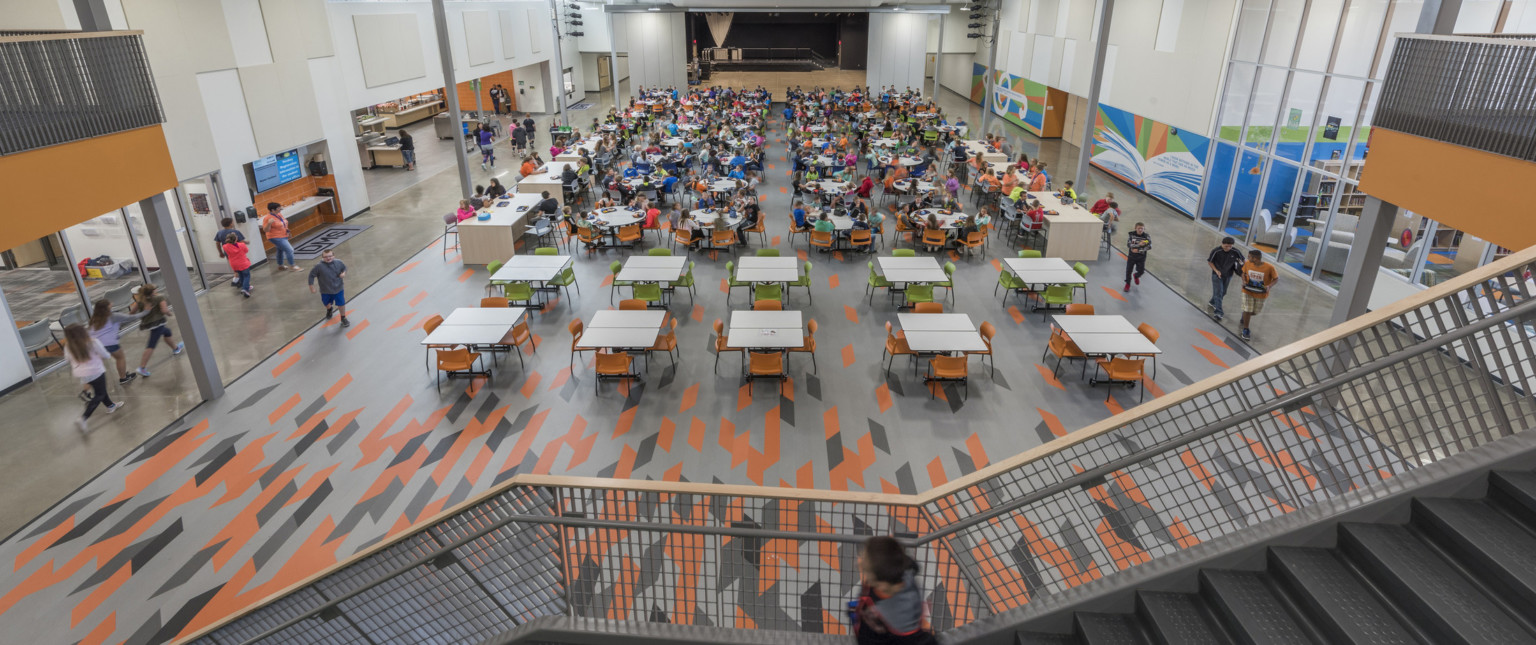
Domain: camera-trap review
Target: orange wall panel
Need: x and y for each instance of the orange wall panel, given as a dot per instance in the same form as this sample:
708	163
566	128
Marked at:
467	93
43	188
1477	192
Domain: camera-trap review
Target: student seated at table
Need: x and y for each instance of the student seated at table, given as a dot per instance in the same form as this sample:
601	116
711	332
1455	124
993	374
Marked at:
465	210
722	221
799	214
528	167
568	176
932	221
824	224
696	233
495	190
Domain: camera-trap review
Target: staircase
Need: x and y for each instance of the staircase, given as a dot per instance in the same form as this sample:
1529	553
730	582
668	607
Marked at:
1460	571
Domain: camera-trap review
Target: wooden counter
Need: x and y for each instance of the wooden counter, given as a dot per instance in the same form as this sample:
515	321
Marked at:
495	239
304	215
412	115
1073	234
386	156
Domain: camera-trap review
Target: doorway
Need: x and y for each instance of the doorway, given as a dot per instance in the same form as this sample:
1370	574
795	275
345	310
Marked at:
205	208
604	73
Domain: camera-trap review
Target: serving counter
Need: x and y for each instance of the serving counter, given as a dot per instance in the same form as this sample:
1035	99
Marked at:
495	239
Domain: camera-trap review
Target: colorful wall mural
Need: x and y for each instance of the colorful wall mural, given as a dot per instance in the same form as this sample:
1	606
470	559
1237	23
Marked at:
1161	160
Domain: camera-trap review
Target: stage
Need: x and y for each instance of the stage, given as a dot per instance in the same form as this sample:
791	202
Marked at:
778	82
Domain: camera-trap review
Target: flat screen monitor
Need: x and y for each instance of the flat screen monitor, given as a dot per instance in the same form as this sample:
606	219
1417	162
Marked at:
276	170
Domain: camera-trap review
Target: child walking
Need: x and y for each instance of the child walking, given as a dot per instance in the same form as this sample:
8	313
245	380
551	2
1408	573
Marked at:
239	262
156	311
85	355
890	609
330	273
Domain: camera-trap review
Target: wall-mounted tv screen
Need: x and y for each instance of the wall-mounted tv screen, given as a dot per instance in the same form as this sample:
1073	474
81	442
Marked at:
276	170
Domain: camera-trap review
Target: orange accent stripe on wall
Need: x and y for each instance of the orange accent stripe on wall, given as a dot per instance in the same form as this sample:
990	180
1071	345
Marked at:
1421	174
42	187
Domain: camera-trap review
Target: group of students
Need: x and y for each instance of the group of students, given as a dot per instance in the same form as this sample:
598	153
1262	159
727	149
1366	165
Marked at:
87	347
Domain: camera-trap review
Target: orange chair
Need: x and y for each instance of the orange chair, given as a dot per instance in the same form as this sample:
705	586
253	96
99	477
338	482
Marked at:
902	227
658	227
1151	334
577	328
822	240
767	365
630	235
810	345
721	241
613	366
633	305
935	238
974	240
761	228
796	230
429	325
720	343
928	308
988	330
947	368
516	338
768	305
588	236
495	302
1122	371
1063	348
664	343
895	347
861	238
1079	309
681	237
454	362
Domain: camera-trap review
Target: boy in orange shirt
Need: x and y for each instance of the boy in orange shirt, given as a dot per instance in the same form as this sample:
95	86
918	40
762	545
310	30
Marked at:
1258	276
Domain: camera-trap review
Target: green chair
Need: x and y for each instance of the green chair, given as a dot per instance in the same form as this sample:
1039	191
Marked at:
767	253
1056	294
516	292
1082	270
876	281
687	282
731	282
650	292
904	253
1030	253
659	252
492	268
805	281
566	280
546	250
949	270
919	293
767	292
615	267
1010	282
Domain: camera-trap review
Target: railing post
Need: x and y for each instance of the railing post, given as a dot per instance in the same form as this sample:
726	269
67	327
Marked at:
977	589
565	554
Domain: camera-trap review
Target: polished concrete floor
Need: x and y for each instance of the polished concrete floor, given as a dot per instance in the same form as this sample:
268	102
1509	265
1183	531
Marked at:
397	450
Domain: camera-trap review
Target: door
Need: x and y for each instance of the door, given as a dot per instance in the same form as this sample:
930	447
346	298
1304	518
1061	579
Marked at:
604	72
205	208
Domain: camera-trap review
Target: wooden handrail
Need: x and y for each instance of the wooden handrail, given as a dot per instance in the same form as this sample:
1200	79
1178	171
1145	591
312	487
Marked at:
1242	370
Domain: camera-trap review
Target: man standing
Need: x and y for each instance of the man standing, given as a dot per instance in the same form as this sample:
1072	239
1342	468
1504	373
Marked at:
1136	246
528	126
1258	277
330	272
497	97
1224	262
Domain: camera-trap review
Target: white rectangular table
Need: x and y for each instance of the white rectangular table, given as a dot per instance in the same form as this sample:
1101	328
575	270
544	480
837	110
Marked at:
647	268
1098	324
765	330
618	337
766	320
917	269
765	269
1017	265
531	268
1052	276
935	322
504	316
627	319
945	341
454	335
1111	344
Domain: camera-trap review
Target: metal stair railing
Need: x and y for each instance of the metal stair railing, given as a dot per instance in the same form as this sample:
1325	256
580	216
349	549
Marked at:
1324	419
57	87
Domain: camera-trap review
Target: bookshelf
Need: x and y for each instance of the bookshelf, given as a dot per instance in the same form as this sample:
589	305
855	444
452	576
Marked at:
1319	195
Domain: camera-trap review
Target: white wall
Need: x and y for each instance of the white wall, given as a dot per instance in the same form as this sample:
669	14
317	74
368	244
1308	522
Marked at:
14	366
894	58
657	46
530	88
589	69
39	14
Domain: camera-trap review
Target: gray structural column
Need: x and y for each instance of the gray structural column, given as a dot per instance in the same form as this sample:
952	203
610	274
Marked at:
938	59
613	59
451	94
1375	226
1095	79
161	222
1361	267
558	73
991	79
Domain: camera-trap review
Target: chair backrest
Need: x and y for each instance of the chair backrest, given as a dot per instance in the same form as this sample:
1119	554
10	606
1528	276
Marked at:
493	267
1123	366
949	270
1150	332
928	308
767	253
1030	253
976	237
811	326
1079	309
1081	269
72	316
494	302
615	266
988	330
821	237
431	324
723	237
682	236
766	363
719	328
577	328
546	250
632	304
950	365
456	358
904	253
36	334
659	252
934	235
768	305
450	219
862	235
612	363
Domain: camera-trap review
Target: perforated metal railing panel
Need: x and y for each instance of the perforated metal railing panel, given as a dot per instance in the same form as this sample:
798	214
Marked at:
55	90
1449	375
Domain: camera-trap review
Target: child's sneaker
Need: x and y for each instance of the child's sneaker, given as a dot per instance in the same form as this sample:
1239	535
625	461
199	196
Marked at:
180	347
1247	335
345	322
143	372
80	425
127	379
86	396
115	406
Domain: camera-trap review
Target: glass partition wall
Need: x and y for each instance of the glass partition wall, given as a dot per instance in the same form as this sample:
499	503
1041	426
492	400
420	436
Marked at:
54	281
